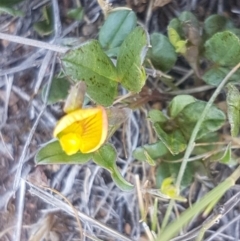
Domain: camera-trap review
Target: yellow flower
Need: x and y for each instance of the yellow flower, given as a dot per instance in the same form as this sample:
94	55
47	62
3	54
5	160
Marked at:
83	130
168	189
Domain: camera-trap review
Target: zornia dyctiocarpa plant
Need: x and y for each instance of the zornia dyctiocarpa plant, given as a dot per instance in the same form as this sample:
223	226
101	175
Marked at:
83	132
188	126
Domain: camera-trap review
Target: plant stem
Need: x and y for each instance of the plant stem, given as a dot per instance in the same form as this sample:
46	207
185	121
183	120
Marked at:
193	138
32	42
173	228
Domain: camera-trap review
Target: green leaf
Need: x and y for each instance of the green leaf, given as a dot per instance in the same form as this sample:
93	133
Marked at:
120	181
162	54
223	48
189	18
166	170
233	104
227	155
52	153
178	103
216	23
116	28
176	24
189	116
157	116
112	52
191	28
132	52
155	151
106	157
45	27
58	90
210	139
174	141
9	3
76	13
216	74
90	64
179	44
11	11
149	159
6	6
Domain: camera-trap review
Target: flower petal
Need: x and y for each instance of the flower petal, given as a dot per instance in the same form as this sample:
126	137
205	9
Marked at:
90	125
70	143
94	132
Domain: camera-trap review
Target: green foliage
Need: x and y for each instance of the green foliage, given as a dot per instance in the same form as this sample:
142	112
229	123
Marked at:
188	18
154	150
179	44
157	116
233	104
90	64
116	28
7	6
189	116
215	24
106	157
131	55
183	32
58	90
76	13
223	48
178	103
45	26
52	153
184	112
162	53
165	170
215	74
216	44
174	140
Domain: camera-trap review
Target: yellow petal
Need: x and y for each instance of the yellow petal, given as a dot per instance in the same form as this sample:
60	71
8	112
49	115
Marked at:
90	125
94	131
70	143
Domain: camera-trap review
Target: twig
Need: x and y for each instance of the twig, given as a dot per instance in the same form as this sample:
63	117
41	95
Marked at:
65	207
57	21
30	136
70	204
192	90
42	71
8	84
149	13
20	208
34	43
224	227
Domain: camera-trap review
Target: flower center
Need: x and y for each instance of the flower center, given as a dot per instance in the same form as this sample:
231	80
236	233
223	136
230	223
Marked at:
70	143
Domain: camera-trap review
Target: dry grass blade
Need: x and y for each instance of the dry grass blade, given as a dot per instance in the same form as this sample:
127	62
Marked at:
68	209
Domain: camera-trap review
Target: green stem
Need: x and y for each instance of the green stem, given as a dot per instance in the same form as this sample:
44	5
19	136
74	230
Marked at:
193	138
173	228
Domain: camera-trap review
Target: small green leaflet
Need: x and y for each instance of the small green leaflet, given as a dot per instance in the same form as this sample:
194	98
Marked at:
132	52
176	41
174	141
116	28
223	48
233	104
52	153
89	63
106	157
